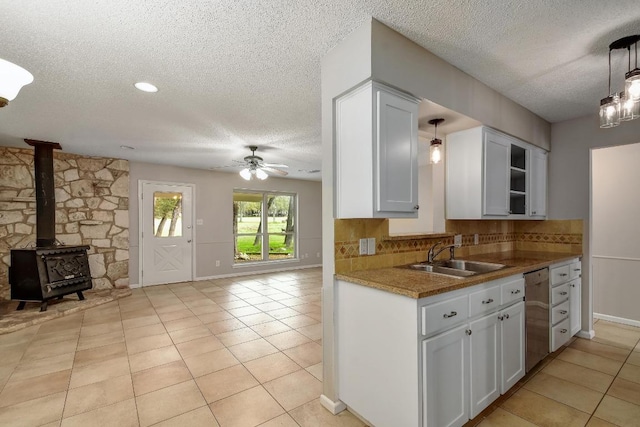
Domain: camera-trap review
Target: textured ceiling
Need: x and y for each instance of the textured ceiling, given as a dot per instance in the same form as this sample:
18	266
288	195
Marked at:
234	73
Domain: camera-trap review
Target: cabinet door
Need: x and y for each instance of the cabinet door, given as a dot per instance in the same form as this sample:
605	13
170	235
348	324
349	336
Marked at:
512	339
575	310
396	148
495	175
445	379
538	186
484	372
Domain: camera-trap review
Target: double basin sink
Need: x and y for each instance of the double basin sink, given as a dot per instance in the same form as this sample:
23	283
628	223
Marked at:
457	267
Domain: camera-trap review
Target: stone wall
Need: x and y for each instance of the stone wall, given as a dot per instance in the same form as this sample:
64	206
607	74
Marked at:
92	208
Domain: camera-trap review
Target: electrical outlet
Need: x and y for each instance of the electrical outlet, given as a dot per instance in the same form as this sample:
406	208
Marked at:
199	221
457	240
363	246
218	263
371	246
476	239
318	255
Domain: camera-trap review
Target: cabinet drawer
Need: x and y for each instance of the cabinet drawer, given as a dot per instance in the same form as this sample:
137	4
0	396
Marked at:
560	334
444	314
559	312
559	275
575	270
512	291
559	294
484	300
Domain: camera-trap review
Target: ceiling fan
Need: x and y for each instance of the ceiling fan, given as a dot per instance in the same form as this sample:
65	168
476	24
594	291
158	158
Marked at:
255	166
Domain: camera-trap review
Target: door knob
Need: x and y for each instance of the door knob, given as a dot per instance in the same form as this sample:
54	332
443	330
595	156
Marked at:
189	241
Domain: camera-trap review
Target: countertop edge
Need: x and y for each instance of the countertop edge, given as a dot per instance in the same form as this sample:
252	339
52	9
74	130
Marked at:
446	284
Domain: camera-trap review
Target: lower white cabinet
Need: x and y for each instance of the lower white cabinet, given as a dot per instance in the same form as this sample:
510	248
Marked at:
445	362
566	302
430	362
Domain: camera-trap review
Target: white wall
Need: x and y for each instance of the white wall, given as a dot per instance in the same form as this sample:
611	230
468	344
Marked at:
569	178
214	199
616	235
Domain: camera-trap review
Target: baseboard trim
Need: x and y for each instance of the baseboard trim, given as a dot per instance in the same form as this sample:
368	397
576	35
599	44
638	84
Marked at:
616	319
586	334
134	285
331	406
251	273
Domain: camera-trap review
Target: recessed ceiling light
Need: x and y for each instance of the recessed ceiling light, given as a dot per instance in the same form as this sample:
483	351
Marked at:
146	87
127	147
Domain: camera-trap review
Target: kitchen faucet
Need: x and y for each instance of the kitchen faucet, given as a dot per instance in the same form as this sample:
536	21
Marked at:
432	254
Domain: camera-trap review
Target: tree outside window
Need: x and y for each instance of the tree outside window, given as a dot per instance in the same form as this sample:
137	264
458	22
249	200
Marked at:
264	226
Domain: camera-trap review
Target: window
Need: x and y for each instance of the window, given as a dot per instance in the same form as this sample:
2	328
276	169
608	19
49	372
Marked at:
264	226
167	214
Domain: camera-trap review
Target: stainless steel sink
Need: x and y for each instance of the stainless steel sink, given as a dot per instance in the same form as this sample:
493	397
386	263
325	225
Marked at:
474	266
457	267
453	272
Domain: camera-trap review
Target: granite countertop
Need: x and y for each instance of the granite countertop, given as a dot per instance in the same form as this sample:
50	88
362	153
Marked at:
420	284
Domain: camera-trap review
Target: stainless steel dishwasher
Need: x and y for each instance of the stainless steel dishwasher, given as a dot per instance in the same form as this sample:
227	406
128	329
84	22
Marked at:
537	316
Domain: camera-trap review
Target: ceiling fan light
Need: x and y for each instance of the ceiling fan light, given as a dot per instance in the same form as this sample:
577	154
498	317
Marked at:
12	79
261	174
610	111
245	173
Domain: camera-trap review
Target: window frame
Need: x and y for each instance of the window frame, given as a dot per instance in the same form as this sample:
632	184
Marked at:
264	234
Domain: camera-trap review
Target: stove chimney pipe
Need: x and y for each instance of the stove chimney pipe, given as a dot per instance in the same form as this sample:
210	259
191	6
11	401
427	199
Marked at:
45	192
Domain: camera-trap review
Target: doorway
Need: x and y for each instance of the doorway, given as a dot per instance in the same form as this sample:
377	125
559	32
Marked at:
166	233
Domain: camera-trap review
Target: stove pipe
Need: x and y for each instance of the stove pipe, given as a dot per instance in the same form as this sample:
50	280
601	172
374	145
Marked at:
45	192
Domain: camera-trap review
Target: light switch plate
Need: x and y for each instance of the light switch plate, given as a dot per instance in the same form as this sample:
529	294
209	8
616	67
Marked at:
363	246
371	246
457	240
476	240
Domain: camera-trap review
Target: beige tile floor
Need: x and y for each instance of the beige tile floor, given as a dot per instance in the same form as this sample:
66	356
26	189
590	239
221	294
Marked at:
592	383
232	352
247	352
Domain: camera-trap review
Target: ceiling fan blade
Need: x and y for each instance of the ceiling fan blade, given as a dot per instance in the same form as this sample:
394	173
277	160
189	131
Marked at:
276	171
274	165
225	166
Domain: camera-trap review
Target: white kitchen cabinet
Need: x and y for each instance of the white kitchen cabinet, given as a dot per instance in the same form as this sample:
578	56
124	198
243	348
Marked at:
484	361
575	296
430	362
512	345
445	360
538	184
376	153
491	175
566	305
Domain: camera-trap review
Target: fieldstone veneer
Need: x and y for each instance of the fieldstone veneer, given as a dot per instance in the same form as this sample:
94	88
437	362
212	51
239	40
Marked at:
92	208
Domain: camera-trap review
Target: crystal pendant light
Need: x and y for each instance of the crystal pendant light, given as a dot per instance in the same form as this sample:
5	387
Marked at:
435	148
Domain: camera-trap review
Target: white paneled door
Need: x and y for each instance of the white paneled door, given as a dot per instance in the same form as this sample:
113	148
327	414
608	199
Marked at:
167	233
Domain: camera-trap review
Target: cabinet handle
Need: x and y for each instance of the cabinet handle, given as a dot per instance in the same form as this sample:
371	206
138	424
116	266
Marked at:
563	293
500	317
489	301
563	311
468	331
416	207
563	274
577	269
533	213
515	291
572	285
563	331
453	313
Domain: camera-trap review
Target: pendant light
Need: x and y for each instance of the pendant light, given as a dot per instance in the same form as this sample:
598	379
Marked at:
623	106
435	149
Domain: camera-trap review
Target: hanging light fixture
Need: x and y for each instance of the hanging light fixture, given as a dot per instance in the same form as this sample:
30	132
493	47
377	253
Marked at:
623	106
435	148
12	78
253	171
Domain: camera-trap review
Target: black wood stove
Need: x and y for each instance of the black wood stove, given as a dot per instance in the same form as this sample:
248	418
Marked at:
47	271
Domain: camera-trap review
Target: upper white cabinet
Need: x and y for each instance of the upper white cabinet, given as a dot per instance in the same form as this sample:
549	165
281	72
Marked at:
376	153
490	175
538	184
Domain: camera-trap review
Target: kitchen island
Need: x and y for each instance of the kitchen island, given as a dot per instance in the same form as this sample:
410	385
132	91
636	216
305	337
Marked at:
418	349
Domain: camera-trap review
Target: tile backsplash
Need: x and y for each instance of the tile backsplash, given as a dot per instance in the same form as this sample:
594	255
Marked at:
493	236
